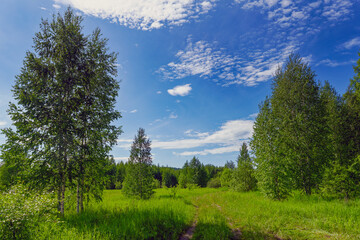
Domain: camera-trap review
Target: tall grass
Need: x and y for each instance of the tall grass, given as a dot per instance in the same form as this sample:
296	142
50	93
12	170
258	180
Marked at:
219	214
118	217
300	217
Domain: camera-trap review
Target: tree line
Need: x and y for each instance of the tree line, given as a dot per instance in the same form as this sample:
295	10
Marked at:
307	136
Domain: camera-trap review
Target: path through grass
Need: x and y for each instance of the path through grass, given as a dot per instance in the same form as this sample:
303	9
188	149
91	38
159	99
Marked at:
221	214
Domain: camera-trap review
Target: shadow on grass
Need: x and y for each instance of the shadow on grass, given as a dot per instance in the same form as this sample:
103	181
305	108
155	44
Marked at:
212	231
129	223
186	201
255	235
221	231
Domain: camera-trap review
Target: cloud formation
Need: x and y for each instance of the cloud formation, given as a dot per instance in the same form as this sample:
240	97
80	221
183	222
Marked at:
355	42
228	138
294	13
206	61
333	63
143	14
180	90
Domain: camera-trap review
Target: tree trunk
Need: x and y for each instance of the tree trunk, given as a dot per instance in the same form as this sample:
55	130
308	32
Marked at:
82	194
78	198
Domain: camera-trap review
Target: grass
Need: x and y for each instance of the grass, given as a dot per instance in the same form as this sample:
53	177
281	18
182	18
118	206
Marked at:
300	217
117	217
220	214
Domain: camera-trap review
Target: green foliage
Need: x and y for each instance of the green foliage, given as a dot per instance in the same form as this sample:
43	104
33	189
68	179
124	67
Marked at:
226	177
21	212
191	186
342	181
212	171
139	179
65	97
194	173
340	177
230	165
214	183
197	172
169	179
290	133
157	183
299	113
183	180
271	171
244	175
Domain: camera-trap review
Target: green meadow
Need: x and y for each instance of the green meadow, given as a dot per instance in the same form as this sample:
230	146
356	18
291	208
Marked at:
218	213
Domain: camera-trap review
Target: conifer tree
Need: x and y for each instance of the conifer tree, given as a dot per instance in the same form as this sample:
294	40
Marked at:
197	172
139	180
243	176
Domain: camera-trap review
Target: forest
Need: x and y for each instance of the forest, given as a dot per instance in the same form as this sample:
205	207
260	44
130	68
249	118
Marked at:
298	177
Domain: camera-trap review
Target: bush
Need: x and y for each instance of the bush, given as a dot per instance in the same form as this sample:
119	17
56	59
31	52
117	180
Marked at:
192	186
214	183
21	212
157	183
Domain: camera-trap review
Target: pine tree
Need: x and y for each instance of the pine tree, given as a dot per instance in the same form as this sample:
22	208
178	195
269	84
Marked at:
139	180
244	176
197	172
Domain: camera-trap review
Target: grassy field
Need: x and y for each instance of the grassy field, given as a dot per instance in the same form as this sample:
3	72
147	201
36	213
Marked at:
219	214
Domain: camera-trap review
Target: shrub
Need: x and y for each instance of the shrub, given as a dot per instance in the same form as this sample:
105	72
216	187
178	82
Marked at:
214	183
21	211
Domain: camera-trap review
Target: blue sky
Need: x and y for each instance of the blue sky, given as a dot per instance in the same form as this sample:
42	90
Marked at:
193	72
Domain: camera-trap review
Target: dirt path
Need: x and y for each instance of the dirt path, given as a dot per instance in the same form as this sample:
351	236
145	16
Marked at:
188	234
236	233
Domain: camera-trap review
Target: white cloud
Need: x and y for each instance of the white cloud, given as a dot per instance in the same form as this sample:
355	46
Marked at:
42	8
2	123
287	13
124	143
134	111
143	14
336	10
220	150
202	59
181	90
230	133
355	42
192	133
118	159
57	6
254	115
332	63
158	92
228	138
173	116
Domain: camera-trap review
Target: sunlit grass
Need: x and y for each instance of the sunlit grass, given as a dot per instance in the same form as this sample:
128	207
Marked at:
118	217
300	217
219	213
